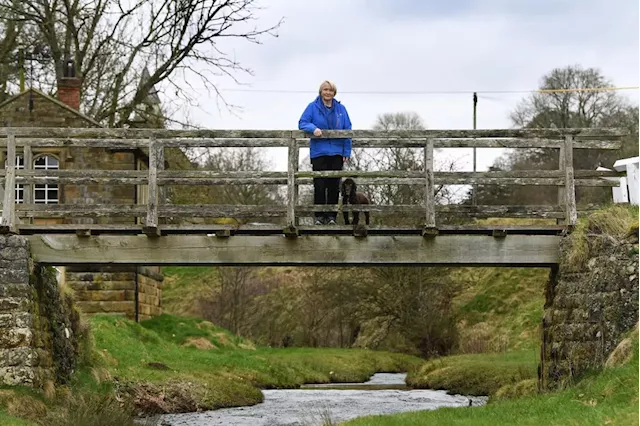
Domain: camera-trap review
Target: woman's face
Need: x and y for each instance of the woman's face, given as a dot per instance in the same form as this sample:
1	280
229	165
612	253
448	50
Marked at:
326	92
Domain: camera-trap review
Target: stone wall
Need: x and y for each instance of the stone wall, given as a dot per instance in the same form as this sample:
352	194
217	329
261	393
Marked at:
149	292
43	112
39	327
110	290
587	311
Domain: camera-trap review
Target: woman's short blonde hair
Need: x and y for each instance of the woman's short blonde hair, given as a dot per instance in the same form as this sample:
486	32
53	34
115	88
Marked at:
330	84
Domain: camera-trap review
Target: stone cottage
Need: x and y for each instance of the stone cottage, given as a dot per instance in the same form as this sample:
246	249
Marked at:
135	293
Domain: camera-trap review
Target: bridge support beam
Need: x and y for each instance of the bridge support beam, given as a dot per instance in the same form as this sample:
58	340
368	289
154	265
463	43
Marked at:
306	250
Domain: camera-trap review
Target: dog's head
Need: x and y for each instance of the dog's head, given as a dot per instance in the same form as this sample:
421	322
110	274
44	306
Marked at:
349	188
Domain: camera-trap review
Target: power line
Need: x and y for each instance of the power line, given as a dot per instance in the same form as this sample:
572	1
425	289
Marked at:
438	92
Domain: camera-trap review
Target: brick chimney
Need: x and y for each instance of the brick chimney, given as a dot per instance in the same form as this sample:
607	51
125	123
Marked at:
69	86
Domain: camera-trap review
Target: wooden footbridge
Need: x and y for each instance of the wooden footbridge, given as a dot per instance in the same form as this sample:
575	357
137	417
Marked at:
149	238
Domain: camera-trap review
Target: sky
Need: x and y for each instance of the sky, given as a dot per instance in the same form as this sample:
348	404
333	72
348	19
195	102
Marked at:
415	47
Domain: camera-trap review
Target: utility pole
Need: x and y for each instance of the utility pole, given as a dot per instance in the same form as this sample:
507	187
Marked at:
475	187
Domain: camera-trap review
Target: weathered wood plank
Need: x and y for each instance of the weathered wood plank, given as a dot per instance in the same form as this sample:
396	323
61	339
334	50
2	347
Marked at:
81	210
429	192
131	133
305	250
134	177
477	181
189	174
127	144
162	188
134	133
245	211
151	223
8	221
604	133
457	175
275	229
561	190
520	181
292	168
474	143
570	192
531	174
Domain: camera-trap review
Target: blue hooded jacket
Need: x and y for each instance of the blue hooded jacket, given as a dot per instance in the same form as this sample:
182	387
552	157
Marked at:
316	115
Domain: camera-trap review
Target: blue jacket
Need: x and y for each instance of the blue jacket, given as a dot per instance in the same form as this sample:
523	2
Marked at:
316	115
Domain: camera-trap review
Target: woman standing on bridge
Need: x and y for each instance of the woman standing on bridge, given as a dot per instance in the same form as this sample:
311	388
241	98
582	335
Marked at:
326	113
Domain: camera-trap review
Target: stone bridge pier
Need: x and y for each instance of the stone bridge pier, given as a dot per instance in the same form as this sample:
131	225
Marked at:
588	311
39	326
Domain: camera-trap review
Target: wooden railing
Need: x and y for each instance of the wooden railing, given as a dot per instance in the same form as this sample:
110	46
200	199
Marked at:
28	140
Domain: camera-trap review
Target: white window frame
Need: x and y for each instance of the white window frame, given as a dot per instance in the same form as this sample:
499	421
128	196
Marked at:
19	186
46	187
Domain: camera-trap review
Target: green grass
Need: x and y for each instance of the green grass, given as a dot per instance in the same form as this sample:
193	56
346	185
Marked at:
476	374
183	330
609	397
7	420
612	221
499	309
152	366
224	376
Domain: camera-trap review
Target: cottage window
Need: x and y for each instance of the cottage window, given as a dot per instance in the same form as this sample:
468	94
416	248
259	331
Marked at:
19	186
46	193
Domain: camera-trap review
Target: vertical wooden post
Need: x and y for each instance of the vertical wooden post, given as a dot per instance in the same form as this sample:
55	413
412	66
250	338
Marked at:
162	189
474	193
570	186
292	167
151	225
561	190
429	194
7	223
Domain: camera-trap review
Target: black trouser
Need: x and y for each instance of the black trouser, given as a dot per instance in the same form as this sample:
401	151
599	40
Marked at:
326	190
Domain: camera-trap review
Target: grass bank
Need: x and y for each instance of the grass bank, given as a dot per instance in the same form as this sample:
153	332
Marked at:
7	420
476	374
172	364
607	397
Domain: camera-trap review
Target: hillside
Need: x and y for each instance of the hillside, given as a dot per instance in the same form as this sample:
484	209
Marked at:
184	286
499	309
496	309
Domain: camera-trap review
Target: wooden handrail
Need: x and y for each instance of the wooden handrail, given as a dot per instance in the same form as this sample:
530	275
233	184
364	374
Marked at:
130	133
31	140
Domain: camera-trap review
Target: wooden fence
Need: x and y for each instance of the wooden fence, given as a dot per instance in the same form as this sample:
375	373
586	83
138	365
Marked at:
26	140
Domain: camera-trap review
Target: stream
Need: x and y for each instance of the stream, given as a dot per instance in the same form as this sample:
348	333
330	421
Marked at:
315	405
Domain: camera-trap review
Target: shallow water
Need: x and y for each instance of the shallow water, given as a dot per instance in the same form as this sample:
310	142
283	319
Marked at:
313	405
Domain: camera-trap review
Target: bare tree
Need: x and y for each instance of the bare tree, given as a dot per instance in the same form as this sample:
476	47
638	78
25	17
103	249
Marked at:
569	104
10	28
111	42
571	100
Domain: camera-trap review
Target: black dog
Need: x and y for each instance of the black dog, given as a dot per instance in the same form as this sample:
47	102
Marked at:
351	196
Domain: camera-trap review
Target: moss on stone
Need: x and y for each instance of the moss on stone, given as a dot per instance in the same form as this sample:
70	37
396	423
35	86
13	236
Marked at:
58	322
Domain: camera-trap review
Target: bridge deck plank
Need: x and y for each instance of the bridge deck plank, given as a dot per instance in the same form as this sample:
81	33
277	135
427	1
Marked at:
306	250
274	229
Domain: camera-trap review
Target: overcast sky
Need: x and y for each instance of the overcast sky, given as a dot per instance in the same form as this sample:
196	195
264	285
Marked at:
419	46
